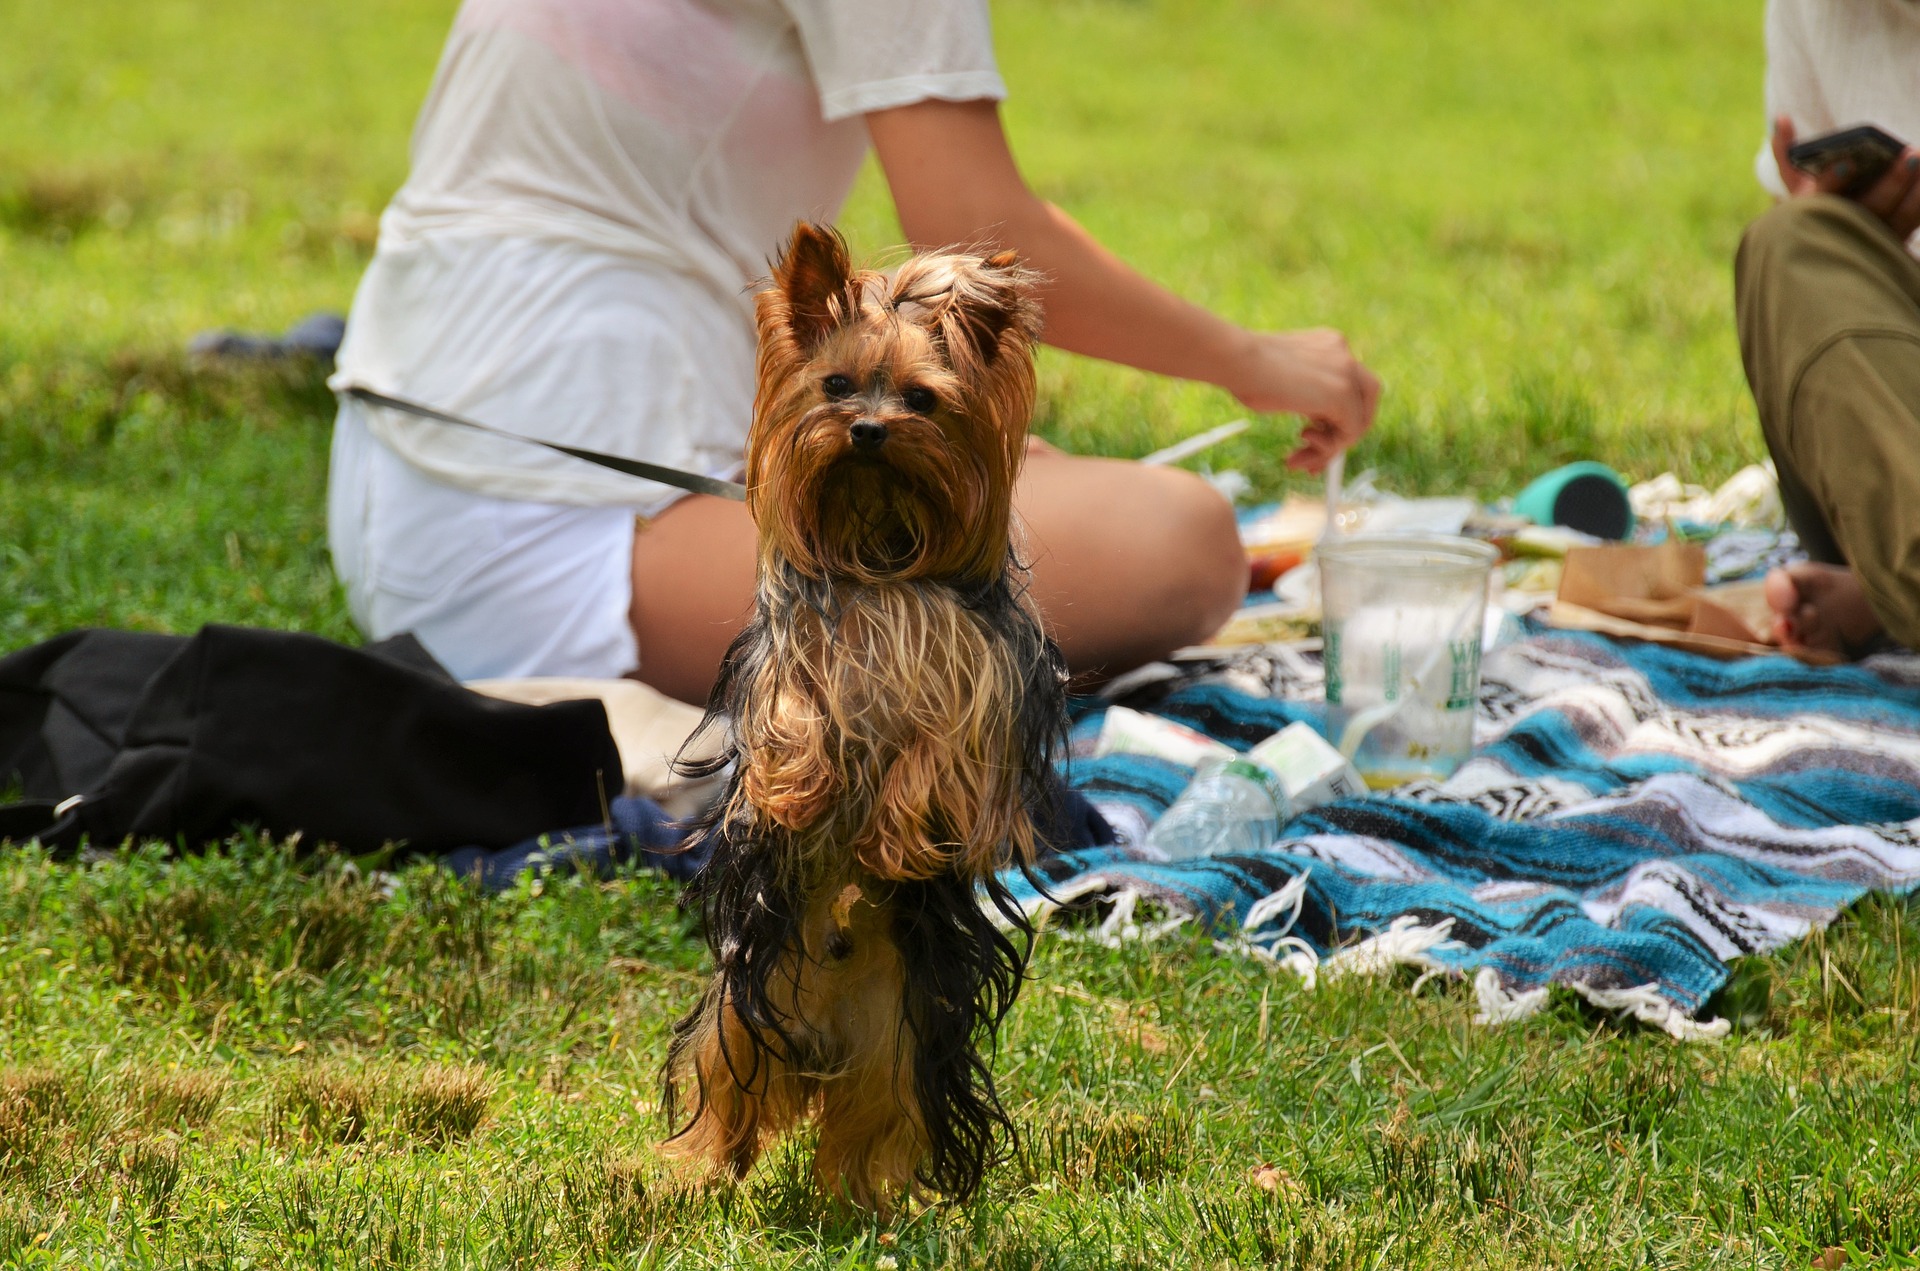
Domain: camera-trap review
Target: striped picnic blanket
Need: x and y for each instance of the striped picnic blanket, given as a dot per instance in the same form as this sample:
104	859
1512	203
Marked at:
1634	818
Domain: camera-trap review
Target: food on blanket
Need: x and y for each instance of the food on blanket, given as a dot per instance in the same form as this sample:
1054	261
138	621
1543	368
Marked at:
1129	732
1657	593
1277	540
1403	621
1750	497
1265	565
1295	523
1311	771
1545	542
1230	808
1264	624
1526	584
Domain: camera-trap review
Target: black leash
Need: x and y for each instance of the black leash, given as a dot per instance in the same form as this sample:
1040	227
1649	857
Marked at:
690	481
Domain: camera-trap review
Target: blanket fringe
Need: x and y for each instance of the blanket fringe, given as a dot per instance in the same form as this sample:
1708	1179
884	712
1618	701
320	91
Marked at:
1277	948
1265	934
1406	942
1497	1005
1649	1006
1120	926
1287	901
1645	1003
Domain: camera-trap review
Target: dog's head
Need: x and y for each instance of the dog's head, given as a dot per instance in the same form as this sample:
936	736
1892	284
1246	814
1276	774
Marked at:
891	412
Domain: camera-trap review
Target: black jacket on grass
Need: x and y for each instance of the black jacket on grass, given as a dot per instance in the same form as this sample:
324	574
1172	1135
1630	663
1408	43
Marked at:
188	739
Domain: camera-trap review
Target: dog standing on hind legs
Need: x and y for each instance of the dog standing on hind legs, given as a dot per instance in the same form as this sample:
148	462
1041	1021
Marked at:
891	712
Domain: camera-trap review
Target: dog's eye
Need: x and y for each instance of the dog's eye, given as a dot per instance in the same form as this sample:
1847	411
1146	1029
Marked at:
837	386
920	401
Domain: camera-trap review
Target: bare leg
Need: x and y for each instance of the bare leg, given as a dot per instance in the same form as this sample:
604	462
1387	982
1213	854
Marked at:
1823	607
1128	562
693	568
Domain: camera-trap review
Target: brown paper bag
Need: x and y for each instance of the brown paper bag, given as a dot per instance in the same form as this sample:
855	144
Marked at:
1657	594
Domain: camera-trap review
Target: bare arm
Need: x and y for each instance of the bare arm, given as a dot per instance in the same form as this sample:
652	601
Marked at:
954	180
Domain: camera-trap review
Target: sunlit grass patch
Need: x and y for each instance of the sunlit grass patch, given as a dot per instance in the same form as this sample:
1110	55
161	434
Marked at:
440	1103
323	1103
1074	1148
34	1105
177	1098
150	1172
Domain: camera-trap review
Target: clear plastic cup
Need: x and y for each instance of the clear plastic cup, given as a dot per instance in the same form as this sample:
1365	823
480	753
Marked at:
1402	617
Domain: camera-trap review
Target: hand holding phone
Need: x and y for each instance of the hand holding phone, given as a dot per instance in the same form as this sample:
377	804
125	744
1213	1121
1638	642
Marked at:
1864	164
1859	156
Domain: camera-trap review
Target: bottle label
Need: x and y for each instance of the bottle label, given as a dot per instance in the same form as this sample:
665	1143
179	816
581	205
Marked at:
1254	770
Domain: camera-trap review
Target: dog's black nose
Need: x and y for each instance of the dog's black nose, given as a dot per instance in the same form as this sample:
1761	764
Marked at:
867	434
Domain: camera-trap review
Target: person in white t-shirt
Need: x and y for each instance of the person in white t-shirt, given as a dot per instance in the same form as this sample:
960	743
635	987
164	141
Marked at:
1828	297
596	184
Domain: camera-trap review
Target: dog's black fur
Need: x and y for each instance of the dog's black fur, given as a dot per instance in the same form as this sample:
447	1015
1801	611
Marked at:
963	970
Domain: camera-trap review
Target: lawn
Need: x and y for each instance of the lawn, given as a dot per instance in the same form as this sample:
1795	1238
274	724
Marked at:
1522	215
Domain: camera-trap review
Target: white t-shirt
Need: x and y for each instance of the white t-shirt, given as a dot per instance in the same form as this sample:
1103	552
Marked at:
1832	64
595	186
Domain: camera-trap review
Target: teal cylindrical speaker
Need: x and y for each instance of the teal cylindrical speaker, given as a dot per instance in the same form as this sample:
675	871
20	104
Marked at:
1585	496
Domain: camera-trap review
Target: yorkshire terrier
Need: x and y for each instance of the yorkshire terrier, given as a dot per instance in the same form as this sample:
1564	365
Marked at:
889	715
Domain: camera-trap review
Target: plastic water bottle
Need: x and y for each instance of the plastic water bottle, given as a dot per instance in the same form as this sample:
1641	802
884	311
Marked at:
1230	807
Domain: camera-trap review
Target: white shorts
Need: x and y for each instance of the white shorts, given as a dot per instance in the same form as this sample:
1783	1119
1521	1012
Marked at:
492	587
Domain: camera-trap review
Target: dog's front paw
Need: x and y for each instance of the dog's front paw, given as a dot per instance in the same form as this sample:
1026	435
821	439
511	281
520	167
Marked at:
790	777
902	839
789	790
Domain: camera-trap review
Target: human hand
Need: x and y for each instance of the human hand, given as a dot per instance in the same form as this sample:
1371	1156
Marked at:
1800	183
1311	373
1894	198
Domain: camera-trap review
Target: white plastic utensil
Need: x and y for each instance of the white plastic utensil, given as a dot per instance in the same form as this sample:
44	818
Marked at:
1193	445
1335	476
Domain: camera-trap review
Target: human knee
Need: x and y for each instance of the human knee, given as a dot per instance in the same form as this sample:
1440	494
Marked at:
1203	567
1798	239
1793	221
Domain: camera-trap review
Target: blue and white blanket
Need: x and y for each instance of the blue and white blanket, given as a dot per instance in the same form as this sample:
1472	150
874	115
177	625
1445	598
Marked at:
1634	818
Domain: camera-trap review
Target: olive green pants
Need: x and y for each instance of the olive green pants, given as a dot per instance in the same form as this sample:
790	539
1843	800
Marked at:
1829	313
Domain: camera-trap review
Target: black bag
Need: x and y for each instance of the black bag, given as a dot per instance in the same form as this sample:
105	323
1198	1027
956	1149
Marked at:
188	739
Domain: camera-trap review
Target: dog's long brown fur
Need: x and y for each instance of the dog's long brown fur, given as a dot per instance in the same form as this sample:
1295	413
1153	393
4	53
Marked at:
890	714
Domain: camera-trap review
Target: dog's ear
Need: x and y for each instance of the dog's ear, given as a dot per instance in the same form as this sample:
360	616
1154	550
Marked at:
812	274
996	298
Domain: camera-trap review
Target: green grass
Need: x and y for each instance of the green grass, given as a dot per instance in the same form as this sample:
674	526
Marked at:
239	1060
1522	215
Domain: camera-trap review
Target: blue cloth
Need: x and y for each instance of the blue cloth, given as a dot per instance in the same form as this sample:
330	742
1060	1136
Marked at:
639	832
1635	815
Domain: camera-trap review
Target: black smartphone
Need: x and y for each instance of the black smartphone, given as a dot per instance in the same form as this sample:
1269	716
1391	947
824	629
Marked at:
1868	149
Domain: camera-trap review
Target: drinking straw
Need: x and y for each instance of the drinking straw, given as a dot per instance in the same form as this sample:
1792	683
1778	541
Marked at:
1371	718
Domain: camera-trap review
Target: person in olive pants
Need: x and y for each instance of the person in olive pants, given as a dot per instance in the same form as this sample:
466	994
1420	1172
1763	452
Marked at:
1829	314
1828	292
